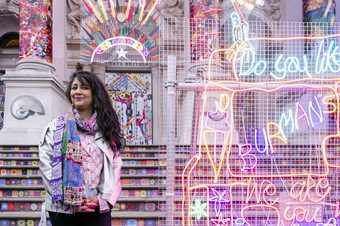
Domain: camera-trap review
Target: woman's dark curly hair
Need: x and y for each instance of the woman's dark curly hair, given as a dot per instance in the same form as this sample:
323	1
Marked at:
107	119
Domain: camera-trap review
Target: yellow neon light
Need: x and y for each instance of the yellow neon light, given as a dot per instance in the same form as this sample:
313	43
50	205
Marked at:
113	8
324	100
150	12
279	133
142	4
95	10
102	10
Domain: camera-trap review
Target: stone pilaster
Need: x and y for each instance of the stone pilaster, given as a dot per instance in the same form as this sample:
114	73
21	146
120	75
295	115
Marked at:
33	98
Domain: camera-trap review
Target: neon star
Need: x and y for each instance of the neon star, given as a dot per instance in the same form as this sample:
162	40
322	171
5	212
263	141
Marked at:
199	209
220	221
121	53
218	198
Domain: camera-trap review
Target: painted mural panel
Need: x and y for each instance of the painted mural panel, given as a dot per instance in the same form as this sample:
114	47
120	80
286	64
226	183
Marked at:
131	95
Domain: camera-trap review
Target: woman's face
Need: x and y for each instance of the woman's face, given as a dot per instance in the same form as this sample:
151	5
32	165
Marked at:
81	96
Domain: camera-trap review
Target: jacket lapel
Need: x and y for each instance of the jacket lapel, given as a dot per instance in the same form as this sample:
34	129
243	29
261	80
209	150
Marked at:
100	142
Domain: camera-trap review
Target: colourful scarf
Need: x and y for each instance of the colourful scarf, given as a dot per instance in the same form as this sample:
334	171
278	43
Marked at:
67	178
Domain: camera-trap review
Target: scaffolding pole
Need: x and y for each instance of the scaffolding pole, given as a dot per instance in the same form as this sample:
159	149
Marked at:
170	86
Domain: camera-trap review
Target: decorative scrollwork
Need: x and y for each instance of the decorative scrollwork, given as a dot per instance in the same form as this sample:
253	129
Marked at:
74	14
172	8
9	7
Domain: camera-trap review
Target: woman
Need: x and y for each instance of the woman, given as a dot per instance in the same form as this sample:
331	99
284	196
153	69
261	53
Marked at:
79	156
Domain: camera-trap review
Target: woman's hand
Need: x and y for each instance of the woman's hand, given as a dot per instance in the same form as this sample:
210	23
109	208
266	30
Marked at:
89	205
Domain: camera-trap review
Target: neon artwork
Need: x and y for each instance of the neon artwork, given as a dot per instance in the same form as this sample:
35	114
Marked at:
264	134
249	161
261	192
302	214
120	41
240	222
329	103
199	209
292	121
325	62
131	25
218	199
303	190
277	133
280	166
267	208
220	221
331	222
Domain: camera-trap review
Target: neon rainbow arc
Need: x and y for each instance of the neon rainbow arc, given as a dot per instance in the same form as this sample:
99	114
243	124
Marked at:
119	31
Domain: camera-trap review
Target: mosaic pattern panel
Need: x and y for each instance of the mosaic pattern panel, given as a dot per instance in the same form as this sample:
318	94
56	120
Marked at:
131	95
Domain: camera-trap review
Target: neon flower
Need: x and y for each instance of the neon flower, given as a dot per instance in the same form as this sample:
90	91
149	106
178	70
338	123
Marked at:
219	198
199	209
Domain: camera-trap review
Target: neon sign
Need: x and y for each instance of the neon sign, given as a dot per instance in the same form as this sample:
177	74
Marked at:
121	41
293	120
242	162
326	61
267	151
246	63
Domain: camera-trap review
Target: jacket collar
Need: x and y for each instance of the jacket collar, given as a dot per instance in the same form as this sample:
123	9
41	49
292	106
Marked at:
98	136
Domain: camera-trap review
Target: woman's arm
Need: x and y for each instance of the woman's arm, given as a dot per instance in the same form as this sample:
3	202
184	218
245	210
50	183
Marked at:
45	157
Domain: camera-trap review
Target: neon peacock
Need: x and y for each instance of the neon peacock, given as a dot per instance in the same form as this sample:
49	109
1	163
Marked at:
119	31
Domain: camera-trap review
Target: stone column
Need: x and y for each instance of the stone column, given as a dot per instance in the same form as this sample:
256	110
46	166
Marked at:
59	39
35	35
33	94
